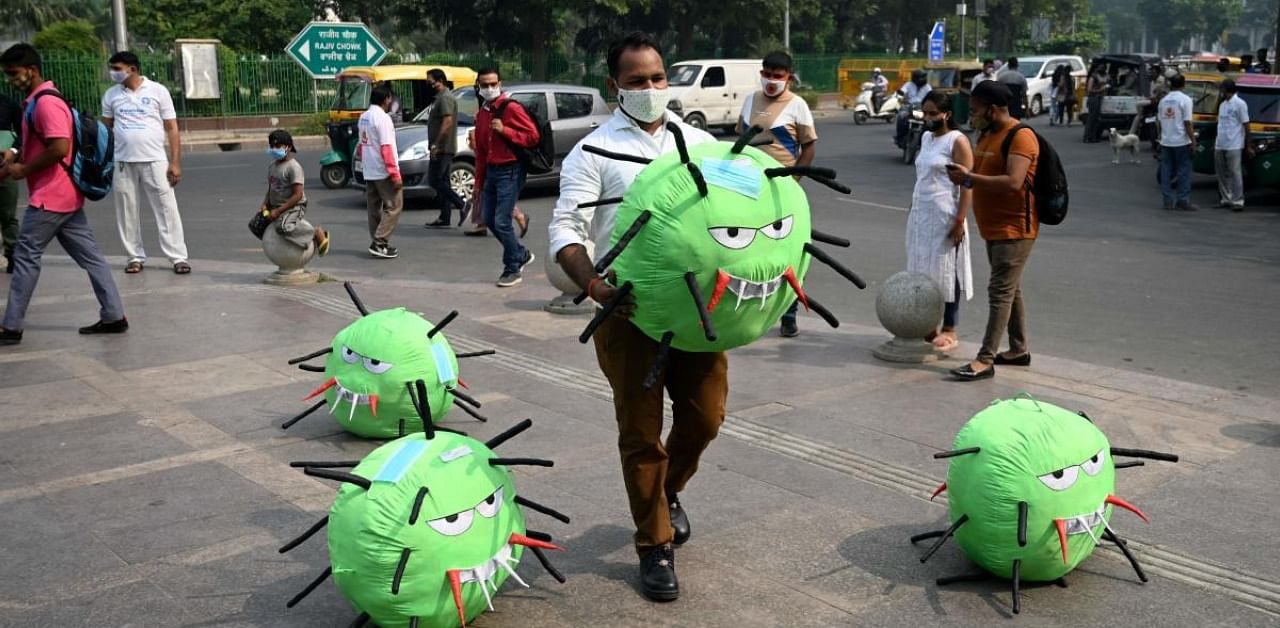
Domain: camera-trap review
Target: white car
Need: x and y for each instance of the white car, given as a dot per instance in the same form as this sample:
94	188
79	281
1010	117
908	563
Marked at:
1039	73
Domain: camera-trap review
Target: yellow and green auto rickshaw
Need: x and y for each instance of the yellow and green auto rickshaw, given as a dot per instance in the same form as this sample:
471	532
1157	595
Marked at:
1205	89
355	85
956	79
1261	93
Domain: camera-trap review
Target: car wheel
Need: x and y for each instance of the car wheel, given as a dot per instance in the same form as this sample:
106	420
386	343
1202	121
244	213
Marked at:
335	176
462	178
860	117
696	120
1037	106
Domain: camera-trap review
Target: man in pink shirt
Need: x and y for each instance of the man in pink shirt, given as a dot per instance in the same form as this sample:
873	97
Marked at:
55	206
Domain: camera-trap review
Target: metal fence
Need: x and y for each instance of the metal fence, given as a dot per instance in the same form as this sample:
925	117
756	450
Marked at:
275	85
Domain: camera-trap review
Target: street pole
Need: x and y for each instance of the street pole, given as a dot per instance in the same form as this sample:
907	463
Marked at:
118	22
961	36
786	27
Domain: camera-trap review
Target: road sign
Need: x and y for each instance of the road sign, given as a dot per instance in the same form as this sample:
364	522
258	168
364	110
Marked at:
1041	28
937	41
324	49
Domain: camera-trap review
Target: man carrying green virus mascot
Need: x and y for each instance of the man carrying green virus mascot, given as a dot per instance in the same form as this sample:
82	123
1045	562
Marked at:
654	472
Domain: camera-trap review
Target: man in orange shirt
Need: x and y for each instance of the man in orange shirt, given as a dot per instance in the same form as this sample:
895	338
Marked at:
1005	211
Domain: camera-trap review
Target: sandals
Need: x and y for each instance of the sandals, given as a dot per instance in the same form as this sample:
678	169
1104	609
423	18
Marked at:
133	268
946	344
323	249
182	268
522	221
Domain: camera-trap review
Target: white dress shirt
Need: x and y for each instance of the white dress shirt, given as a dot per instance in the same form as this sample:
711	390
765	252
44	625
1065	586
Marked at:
139	116
586	177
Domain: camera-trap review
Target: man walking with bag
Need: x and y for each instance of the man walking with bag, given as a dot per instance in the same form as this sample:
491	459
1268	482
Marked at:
503	127
55	206
140	113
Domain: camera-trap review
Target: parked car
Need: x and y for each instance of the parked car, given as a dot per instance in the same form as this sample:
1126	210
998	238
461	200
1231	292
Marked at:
574	112
1039	73
709	93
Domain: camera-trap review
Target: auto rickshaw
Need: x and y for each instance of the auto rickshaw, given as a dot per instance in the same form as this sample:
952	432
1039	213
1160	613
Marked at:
1261	93
1204	63
355	86
955	78
1205	89
1129	78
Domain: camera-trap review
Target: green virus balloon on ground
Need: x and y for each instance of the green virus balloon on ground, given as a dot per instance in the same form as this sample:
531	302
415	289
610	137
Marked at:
426	529
713	243
1031	488
373	364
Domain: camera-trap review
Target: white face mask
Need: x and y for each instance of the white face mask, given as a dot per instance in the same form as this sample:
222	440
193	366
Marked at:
772	88
645	105
490	94
118	76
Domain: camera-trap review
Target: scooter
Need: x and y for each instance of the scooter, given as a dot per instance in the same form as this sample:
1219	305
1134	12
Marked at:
864	109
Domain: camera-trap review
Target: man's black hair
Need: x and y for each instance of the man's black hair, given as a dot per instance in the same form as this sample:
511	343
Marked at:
127	58
631	41
1177	82
380	94
1012	62
778	60
1229	86
992	93
488	70
22	55
437	75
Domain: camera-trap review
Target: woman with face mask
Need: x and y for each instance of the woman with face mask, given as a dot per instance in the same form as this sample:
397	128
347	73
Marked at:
937	233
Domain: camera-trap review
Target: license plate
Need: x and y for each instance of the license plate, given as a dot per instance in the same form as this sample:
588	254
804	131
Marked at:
1150	120
357	165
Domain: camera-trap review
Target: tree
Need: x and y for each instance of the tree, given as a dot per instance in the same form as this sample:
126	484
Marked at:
245	25
69	36
1174	21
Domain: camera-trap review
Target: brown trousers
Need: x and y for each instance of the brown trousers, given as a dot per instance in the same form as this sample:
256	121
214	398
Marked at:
384	204
1004	298
697	383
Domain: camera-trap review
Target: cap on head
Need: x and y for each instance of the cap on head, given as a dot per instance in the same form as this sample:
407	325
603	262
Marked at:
993	93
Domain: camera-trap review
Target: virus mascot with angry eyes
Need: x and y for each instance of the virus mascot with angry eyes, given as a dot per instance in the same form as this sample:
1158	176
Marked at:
1031	489
427	528
372	366
713	243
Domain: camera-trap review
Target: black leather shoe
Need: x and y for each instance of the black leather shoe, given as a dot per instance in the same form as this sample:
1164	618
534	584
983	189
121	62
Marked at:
104	327
1022	360
658	575
10	336
679	521
967	374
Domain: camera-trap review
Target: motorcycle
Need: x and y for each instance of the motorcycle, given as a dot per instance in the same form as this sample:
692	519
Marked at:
865	109
912	140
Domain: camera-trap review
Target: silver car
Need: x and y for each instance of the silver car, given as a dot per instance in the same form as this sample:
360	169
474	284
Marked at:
573	112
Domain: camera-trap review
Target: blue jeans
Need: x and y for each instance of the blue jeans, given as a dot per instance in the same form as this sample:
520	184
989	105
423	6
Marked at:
791	312
502	184
39	228
951	311
1175	167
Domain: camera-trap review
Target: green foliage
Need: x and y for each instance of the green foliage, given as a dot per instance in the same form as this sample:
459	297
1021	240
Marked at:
1173	21
246	25
1088	39
312	124
810	97
68	35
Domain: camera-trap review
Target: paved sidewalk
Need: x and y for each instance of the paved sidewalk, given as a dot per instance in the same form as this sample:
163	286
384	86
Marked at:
145	482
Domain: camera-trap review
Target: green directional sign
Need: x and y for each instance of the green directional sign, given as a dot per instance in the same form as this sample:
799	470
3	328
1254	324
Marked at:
324	49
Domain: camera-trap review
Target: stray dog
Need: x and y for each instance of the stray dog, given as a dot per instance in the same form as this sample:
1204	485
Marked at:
1124	141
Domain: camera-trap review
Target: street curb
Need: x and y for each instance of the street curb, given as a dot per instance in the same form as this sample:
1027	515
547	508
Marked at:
249	143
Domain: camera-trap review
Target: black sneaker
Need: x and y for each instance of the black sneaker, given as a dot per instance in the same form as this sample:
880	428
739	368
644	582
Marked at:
679	522
10	336
1187	207
508	280
104	327
384	251
658	575
528	259
789	328
439	223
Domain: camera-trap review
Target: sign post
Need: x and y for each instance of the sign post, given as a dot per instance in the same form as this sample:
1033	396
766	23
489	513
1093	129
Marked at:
324	49
937	41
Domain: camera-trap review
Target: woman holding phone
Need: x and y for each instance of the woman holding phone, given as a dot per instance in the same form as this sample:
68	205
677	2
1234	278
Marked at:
937	230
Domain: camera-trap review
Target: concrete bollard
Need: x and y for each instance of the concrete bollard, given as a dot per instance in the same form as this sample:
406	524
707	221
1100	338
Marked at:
290	260
563	304
909	305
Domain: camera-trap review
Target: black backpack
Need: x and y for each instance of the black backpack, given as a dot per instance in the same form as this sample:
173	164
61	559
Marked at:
540	159
1049	185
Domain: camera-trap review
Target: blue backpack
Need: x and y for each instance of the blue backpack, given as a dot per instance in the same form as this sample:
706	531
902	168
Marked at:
92	149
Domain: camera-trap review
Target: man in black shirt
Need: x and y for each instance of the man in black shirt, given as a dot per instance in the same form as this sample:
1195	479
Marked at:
10	142
442	133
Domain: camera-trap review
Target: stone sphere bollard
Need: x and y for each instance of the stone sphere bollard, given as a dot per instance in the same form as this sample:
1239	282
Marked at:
563	303
910	306
290	259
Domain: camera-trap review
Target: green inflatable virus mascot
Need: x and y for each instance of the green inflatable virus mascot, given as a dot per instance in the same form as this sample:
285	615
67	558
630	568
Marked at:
426	529
713	243
1031	488
372	366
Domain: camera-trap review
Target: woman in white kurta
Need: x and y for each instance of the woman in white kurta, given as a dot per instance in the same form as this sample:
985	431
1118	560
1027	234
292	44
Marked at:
937	233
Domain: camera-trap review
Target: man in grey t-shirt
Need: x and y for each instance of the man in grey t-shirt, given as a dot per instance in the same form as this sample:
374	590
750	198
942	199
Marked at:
442	132
1013	78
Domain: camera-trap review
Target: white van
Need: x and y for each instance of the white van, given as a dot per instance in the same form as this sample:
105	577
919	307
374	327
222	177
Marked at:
1039	73
709	93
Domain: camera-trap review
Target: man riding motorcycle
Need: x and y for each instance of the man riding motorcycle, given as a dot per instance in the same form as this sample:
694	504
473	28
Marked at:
913	94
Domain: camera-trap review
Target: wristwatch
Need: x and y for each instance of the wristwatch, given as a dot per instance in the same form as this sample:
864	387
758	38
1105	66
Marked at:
968	182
